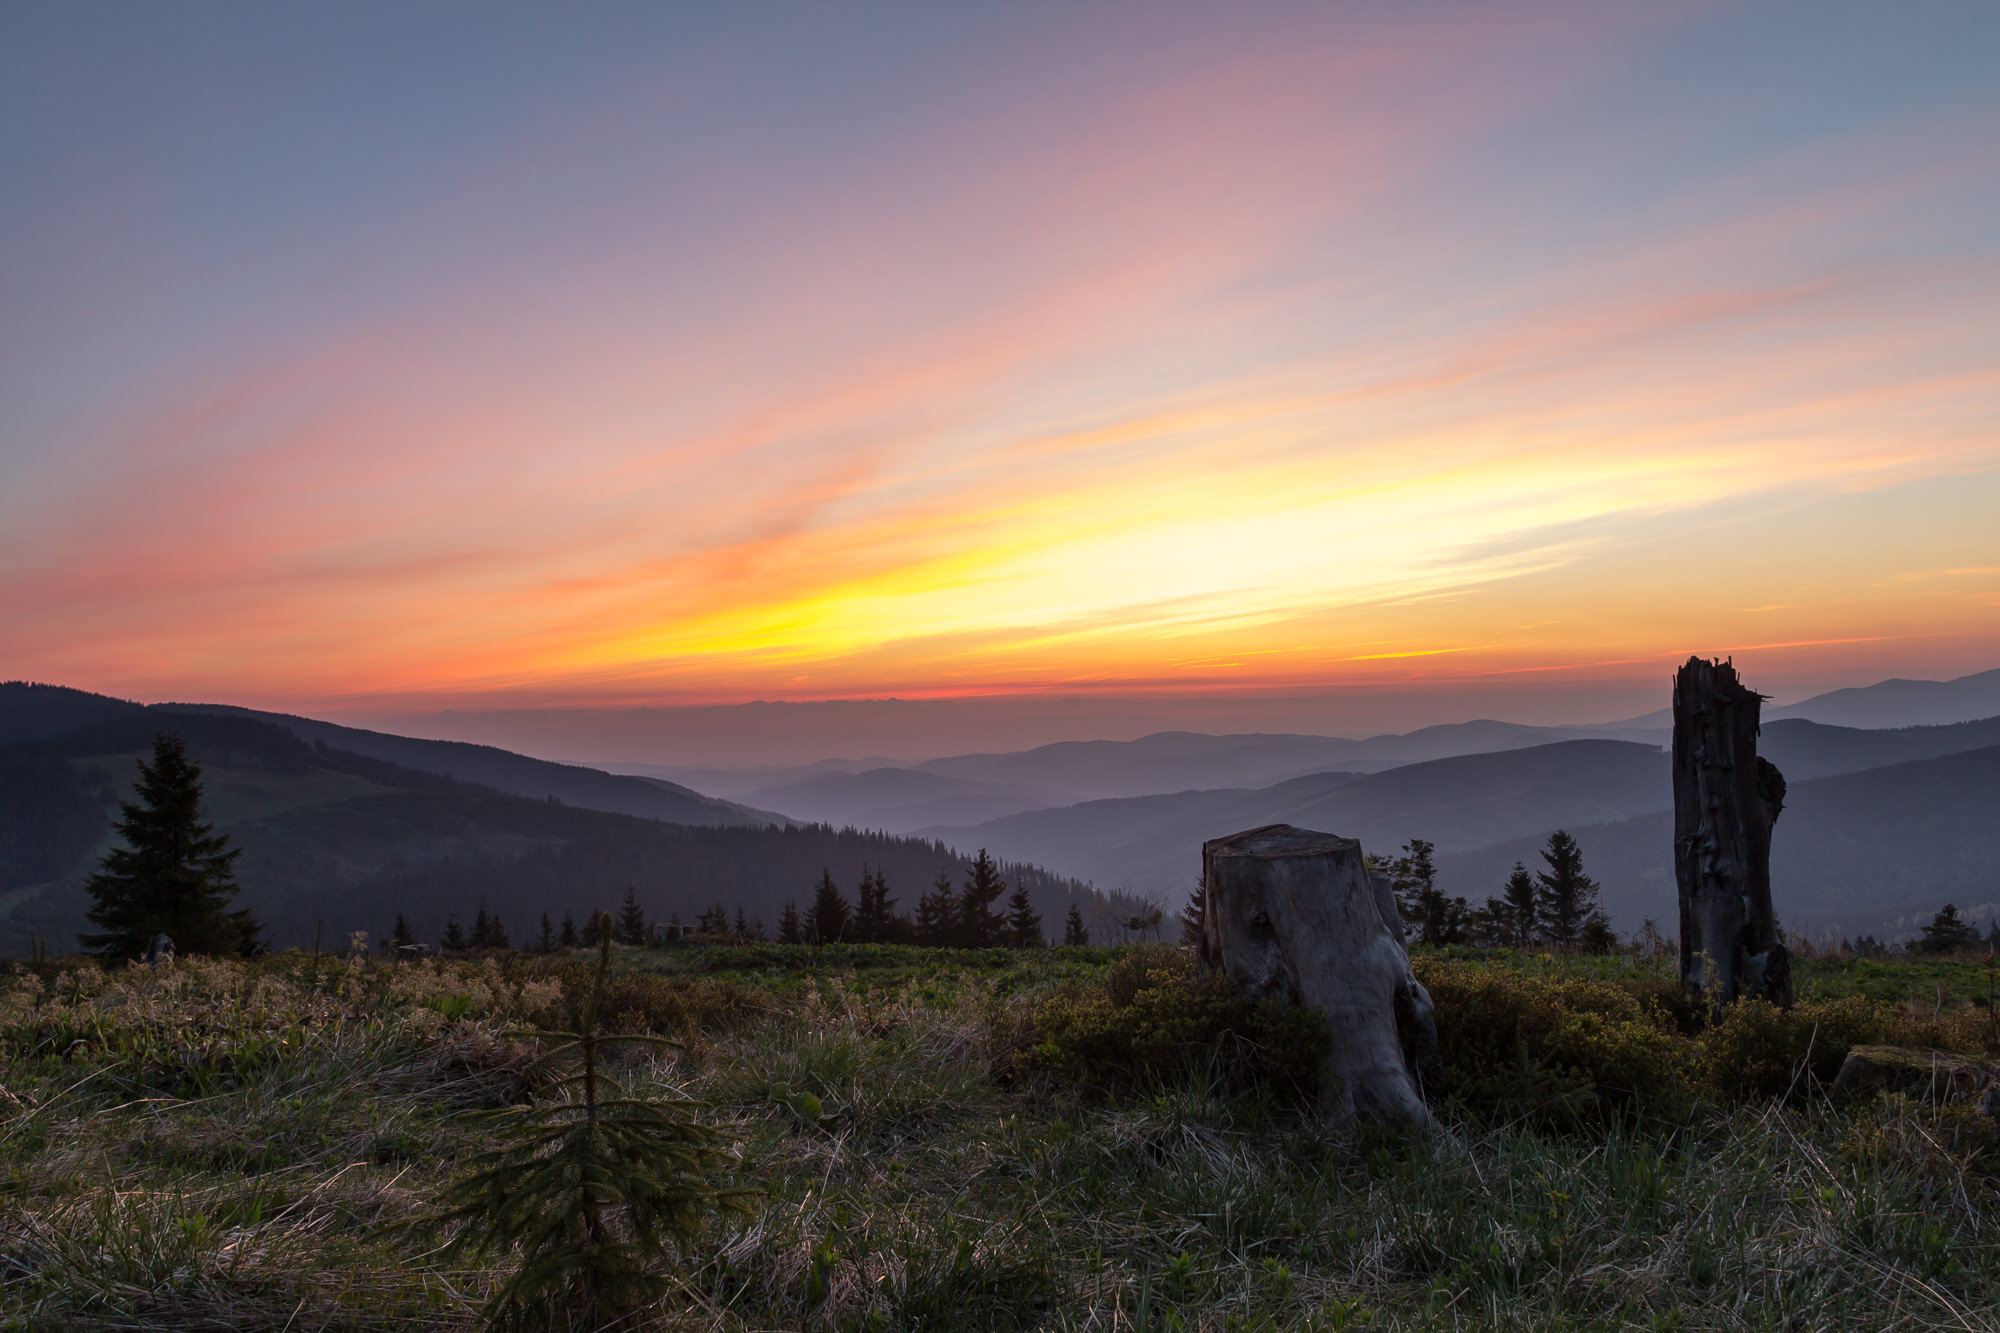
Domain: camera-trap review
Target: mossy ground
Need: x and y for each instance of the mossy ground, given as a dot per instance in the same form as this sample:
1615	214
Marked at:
214	1148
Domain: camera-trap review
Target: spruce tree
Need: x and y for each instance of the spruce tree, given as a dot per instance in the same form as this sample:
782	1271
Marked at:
173	875
826	919
487	932
1191	915
937	913
1439	920
1522	901
713	920
567	939
589	1193
789	930
403	936
979	926
1512	914
454	940
1566	897
546	941
1947	933
742	925
875	918
631	919
1024	923
1074	931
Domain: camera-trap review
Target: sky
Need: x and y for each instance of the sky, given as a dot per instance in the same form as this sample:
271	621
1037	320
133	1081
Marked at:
1324	365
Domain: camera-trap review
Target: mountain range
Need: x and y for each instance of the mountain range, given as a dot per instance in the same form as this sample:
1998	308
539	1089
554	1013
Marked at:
1485	811
335	840
1882	825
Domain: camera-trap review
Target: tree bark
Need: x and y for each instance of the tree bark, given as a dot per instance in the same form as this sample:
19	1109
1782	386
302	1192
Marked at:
1725	801
1293	914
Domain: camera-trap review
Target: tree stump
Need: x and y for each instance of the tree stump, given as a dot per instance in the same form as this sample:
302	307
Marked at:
1725	801
1293	914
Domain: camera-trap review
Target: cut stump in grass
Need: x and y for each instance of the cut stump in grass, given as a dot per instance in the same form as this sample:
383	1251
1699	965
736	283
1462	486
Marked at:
1726	799
1293	914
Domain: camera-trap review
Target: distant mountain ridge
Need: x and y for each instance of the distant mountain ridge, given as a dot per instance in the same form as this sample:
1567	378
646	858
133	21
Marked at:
1875	851
516	774
333	840
1902	703
30	712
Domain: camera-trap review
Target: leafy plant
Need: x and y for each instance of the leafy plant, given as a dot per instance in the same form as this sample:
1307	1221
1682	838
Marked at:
1154	1019
594	1193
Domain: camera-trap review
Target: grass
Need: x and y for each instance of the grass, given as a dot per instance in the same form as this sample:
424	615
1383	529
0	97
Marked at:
215	1147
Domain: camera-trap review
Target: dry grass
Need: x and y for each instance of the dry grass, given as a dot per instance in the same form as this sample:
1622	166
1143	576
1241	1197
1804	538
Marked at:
213	1147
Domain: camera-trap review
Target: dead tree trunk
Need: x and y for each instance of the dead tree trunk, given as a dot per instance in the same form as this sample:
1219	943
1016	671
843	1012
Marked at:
1293	914
1725	801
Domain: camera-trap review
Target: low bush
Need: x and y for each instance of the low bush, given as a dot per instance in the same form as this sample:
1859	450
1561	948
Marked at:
1756	1049
1555	1049
1156	1020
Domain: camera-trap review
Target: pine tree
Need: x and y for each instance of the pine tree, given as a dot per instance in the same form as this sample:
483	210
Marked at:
757	929
631	919
594	1192
403	936
1074	931
714	920
591	928
1512	914
454	940
1597	935
568	938
826	919
979	926
546	941
174	874
1947	933
742	925
876	920
1024	923
487	932
1191	915
937	913
789	930
1413	875
1565	896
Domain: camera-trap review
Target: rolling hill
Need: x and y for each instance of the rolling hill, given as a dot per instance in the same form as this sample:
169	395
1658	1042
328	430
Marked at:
335	841
1876	851
1153	843
1902	703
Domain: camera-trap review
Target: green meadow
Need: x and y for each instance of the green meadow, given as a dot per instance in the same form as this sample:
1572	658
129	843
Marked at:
996	1139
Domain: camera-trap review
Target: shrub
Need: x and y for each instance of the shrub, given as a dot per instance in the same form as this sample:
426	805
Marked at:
1554	1049
1756	1049
1155	1019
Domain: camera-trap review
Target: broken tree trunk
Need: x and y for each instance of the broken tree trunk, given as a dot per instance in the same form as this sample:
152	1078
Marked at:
1293	914
1725	801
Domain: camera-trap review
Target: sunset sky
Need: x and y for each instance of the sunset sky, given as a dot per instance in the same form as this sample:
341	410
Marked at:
375	361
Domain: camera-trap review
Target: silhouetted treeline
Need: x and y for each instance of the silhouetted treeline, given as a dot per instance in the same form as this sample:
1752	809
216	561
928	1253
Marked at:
944	916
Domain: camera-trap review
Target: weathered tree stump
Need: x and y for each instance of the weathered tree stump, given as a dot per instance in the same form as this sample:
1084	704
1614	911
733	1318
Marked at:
1725	800
1293	914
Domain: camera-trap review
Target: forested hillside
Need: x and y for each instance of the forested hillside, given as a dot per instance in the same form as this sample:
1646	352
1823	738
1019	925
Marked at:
337	841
